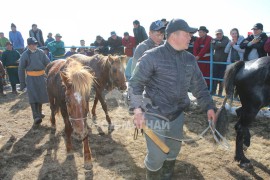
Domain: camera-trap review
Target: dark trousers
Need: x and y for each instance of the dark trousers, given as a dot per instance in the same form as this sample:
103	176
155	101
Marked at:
218	72
13	86
1	86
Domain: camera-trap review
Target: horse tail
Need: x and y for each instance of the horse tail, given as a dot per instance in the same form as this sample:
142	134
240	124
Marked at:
229	77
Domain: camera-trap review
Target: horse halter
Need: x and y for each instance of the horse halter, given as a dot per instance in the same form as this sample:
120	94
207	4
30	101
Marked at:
84	122
77	119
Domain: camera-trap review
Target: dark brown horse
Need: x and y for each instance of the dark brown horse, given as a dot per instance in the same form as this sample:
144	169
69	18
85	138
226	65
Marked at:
109	72
69	85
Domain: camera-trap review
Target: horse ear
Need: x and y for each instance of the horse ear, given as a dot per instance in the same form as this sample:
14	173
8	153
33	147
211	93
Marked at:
123	58
65	79
110	59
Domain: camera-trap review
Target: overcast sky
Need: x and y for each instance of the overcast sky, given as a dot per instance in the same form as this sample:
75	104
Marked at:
84	19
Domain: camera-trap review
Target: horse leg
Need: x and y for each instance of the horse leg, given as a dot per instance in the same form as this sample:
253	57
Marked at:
104	107
94	115
238	111
53	111
247	115
246	139
68	128
239	154
87	154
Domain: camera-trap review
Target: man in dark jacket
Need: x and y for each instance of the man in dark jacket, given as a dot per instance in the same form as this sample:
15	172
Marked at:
10	59
37	34
254	43
139	32
219	44
33	62
156	35
101	45
115	44
166	73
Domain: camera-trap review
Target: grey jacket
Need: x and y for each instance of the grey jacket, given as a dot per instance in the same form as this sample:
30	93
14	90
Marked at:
36	85
219	47
140	49
38	35
236	47
166	75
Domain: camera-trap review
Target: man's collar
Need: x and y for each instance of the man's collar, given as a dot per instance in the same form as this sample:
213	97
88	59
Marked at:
171	49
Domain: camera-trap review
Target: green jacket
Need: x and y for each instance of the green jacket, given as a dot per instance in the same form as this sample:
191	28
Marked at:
57	48
3	42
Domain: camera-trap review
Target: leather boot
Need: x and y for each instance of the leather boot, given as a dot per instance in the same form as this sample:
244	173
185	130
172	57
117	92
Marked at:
40	111
167	170
153	175
35	111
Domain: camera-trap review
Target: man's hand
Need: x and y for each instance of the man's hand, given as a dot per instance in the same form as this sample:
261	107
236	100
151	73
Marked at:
256	40
138	118
197	58
22	86
211	115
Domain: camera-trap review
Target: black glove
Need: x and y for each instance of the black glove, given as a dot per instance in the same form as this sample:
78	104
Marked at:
22	86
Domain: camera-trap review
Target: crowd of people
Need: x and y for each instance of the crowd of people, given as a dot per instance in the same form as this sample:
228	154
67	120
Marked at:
162	64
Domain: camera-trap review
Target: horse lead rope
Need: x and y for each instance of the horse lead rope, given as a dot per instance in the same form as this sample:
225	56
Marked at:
225	143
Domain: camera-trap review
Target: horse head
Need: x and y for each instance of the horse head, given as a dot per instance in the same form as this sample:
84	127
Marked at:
77	81
117	71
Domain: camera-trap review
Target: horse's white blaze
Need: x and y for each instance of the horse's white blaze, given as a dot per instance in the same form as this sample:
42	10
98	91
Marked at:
78	97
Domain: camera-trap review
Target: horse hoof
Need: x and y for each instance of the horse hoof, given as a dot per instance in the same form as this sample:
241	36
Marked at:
246	165
70	156
88	165
245	147
111	128
53	126
94	119
237	159
101	133
70	151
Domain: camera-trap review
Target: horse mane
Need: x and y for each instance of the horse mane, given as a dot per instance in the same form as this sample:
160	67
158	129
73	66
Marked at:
80	78
104	60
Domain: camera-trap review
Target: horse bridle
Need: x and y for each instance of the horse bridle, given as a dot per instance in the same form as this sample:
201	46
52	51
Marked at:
79	119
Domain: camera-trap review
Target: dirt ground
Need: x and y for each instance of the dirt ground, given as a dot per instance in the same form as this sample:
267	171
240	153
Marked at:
30	152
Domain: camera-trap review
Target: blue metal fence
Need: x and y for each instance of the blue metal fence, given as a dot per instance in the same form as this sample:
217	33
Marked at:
212	62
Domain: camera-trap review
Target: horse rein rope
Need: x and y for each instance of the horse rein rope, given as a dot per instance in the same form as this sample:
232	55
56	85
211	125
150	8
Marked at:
223	142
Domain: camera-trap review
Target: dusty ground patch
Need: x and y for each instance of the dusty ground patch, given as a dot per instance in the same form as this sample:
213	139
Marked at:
28	152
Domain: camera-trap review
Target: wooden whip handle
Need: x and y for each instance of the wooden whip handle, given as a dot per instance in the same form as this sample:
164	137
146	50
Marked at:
155	139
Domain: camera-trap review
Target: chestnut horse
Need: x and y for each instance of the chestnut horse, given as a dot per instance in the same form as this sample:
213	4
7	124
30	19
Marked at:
109	73
251	80
69	85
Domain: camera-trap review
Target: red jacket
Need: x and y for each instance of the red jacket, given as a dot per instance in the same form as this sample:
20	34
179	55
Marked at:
267	46
129	44
202	52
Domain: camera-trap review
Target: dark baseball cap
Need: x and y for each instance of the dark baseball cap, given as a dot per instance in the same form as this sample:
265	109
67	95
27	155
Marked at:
113	33
31	41
179	24
258	26
157	26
